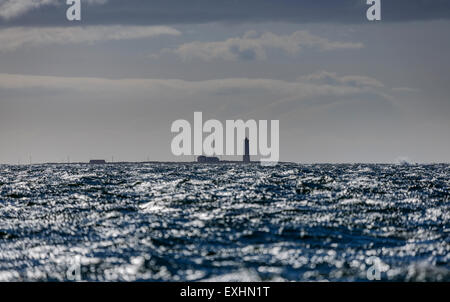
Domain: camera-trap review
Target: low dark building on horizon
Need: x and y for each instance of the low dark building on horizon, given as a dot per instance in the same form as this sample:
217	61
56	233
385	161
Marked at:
97	161
206	159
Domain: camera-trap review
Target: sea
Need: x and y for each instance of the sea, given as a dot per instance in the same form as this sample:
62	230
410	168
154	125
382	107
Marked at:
224	222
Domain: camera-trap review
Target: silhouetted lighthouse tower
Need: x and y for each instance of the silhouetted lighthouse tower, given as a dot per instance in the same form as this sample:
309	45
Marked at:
246	158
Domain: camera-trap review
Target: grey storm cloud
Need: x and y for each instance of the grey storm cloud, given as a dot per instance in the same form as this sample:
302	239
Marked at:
52	12
15	37
253	46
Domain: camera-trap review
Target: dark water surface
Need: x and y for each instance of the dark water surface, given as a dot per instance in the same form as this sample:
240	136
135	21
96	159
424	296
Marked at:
224	222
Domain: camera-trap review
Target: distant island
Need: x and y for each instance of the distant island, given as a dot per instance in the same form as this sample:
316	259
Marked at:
203	159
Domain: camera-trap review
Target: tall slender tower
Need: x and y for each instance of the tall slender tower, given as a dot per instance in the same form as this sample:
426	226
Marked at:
246	158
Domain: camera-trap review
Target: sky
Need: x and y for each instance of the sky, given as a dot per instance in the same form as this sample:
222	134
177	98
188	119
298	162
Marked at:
344	89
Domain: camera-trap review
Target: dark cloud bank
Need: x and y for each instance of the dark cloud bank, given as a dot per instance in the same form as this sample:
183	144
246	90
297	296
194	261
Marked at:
233	11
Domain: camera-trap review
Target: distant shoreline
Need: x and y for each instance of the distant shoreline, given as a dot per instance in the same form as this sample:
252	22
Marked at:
147	162
212	163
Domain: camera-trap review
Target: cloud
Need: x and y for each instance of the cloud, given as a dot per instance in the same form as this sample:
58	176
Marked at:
331	78
14	8
341	84
252	46
16	37
241	85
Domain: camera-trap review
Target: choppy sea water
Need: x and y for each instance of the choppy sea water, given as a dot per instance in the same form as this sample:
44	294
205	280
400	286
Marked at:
228	222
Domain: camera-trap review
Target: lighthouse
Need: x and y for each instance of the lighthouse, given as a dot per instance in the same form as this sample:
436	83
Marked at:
246	157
